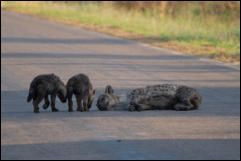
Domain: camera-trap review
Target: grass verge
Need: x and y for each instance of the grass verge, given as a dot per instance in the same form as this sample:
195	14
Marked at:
189	34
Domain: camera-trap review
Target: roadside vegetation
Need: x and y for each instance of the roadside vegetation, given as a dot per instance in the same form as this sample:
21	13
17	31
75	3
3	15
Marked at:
210	28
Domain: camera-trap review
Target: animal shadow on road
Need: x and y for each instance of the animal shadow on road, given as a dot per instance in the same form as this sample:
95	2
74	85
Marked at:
127	149
14	103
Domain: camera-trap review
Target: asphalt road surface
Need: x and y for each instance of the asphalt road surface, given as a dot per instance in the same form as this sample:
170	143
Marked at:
31	46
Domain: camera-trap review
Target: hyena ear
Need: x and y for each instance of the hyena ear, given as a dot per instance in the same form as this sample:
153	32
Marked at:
93	92
109	89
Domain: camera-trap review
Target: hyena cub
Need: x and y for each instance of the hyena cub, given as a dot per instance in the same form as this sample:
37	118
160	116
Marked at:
109	101
81	87
44	85
165	96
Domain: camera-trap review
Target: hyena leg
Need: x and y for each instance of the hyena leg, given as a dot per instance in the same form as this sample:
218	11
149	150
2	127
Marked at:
85	105
53	97
36	101
139	107
79	103
46	104
70	102
132	107
184	105
142	107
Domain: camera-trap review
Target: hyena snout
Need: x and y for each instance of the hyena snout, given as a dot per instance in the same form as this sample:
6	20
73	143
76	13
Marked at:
62	94
62	98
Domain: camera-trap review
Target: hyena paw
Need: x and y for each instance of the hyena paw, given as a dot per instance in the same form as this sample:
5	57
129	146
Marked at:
45	106
132	108
80	109
181	107
36	110
55	110
135	107
138	108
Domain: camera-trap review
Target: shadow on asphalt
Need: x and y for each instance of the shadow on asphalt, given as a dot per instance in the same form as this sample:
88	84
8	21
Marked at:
14	103
127	149
65	41
93	56
108	65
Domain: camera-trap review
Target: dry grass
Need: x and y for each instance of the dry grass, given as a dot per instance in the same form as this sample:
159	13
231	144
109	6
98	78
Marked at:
200	28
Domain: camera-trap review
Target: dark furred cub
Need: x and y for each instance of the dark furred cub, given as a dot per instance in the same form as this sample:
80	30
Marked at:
44	85
81	87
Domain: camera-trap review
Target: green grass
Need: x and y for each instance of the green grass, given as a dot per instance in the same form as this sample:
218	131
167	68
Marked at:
212	36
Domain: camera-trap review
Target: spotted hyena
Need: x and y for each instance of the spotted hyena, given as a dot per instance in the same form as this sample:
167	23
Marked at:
164	96
81	87
44	85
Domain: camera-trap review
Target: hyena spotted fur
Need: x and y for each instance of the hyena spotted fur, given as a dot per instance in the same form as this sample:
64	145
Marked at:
164	96
44	85
81	87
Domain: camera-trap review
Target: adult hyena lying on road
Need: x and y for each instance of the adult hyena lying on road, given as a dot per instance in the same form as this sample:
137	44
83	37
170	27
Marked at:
80	86
44	85
164	96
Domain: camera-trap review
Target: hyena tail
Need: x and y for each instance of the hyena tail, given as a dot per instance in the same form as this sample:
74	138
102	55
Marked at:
30	95
109	89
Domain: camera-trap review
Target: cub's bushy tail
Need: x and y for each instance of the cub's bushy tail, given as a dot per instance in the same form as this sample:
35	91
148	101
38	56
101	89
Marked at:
30	95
